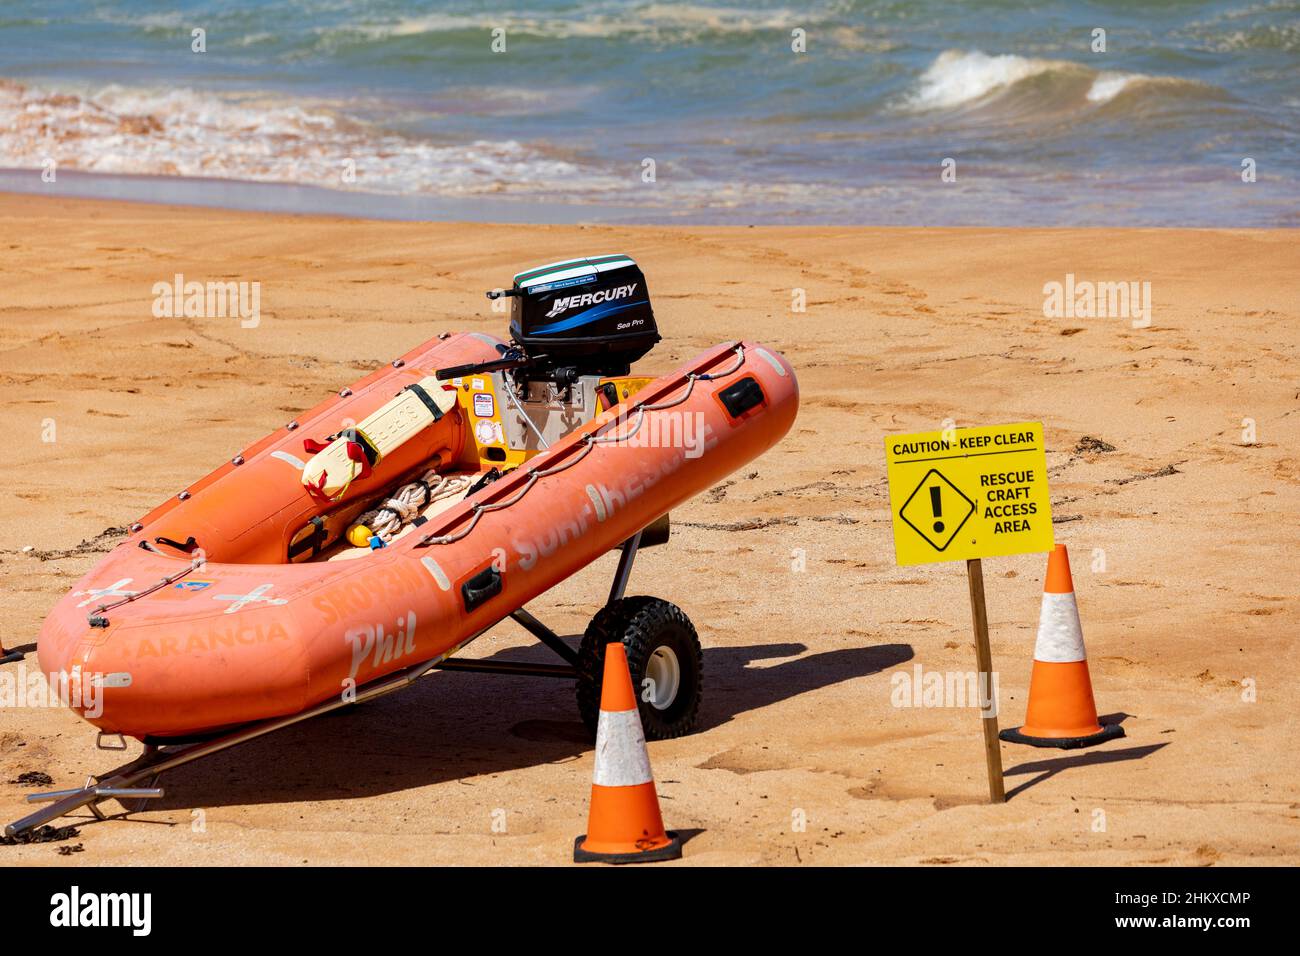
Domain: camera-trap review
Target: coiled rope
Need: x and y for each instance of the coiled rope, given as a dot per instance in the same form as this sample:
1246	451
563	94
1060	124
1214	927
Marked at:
394	514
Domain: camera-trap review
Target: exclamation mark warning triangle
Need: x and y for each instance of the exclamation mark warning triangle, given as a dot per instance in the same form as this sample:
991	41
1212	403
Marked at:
936	510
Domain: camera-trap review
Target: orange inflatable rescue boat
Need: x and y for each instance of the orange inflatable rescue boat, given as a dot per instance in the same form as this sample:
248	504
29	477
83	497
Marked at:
379	533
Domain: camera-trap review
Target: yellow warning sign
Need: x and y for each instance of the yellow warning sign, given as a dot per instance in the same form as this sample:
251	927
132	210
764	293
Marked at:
969	493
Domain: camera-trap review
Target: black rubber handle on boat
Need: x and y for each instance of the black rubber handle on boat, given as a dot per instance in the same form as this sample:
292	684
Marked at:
509	360
742	395
482	586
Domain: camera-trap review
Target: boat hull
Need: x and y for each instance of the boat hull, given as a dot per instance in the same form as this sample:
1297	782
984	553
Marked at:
233	642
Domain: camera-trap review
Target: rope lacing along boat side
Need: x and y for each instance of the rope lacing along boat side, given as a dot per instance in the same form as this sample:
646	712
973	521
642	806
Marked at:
96	617
589	441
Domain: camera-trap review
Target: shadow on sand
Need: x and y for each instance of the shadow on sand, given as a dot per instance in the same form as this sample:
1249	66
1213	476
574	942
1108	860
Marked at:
455	726
1046	769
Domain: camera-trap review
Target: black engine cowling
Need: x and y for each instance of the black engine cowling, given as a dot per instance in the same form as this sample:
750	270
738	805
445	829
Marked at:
591	314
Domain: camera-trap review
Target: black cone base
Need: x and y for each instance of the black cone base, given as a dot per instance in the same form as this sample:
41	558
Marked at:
672	850
1107	732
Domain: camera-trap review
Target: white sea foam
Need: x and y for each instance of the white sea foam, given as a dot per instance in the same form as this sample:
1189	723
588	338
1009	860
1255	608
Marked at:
958	77
1106	86
185	133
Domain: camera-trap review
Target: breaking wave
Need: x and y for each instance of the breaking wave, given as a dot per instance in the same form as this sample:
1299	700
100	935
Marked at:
960	79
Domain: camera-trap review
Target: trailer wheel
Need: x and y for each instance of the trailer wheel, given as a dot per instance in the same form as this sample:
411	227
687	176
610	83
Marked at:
663	655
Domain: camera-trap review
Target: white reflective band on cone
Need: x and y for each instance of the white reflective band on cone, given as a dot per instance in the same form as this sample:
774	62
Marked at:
1060	638
621	758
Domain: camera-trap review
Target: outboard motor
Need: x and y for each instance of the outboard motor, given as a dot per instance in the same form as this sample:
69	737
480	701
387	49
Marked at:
576	327
591	315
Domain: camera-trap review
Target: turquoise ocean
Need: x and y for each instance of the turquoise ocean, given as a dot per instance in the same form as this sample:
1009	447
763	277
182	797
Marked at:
524	110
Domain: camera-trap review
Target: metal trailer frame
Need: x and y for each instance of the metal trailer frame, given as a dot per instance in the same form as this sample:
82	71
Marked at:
138	779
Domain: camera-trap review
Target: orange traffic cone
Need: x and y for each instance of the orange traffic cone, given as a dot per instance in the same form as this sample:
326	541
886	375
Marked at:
624	825
1061	711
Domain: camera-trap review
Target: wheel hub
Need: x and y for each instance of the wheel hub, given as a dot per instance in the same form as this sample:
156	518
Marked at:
665	673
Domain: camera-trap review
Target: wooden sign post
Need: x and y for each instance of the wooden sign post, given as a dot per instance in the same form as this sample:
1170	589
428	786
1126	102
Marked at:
984	661
961	495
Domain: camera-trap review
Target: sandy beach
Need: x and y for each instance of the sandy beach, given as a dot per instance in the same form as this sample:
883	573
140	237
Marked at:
1171	452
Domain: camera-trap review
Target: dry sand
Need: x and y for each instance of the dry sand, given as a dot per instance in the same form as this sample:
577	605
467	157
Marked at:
904	328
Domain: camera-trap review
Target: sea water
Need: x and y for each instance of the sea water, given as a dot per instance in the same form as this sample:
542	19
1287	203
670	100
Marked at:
920	112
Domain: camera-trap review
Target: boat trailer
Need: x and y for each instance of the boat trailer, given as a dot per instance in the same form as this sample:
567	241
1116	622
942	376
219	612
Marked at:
137	781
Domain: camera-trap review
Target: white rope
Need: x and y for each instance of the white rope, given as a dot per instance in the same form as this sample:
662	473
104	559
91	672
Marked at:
588	442
393	515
